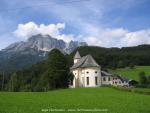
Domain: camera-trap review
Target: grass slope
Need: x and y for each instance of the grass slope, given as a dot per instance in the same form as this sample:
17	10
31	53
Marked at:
132	73
85	98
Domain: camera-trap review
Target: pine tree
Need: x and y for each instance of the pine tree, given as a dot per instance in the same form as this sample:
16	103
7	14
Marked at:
56	75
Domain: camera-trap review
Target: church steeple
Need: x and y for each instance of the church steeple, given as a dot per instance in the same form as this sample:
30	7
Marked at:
77	57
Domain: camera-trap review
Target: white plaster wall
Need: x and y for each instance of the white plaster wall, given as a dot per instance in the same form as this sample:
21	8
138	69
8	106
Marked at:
77	78
119	82
76	74
116	81
91	74
107	81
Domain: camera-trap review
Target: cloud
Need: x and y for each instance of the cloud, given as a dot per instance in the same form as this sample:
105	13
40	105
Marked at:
29	29
136	38
107	37
119	37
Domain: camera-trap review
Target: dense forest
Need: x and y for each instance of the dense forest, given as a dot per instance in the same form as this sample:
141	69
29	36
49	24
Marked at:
53	73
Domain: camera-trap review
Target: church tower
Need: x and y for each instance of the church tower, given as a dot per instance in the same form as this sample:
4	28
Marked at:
77	57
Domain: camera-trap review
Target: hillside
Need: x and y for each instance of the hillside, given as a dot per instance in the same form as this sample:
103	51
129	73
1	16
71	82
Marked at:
132	73
111	100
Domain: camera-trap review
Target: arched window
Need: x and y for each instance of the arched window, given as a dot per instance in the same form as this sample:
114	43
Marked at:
87	80
104	79
96	83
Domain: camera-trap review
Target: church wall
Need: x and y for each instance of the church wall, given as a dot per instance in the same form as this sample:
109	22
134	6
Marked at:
81	74
75	73
77	78
91	73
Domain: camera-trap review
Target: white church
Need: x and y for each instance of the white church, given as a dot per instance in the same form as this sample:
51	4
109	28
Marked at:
87	73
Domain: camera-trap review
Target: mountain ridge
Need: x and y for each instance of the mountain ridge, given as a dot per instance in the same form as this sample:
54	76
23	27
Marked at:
44	43
23	54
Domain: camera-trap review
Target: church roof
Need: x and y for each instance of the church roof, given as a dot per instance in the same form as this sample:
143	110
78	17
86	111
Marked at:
86	61
77	55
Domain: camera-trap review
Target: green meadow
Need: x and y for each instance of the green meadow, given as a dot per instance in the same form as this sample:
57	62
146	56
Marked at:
132	73
102	100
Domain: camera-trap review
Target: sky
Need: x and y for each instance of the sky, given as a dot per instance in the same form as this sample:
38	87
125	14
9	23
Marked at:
106	23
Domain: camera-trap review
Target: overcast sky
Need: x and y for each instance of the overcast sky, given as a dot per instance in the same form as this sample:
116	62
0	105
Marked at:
108	23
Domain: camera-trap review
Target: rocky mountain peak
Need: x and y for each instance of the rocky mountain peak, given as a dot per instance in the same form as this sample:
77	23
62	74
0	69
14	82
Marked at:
44	43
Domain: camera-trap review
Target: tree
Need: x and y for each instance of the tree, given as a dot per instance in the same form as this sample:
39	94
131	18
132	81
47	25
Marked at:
121	64
143	79
13	82
43	84
148	79
1	79
71	77
131	65
58	70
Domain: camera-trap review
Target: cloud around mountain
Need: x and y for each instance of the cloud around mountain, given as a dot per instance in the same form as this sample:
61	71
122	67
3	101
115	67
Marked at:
29	29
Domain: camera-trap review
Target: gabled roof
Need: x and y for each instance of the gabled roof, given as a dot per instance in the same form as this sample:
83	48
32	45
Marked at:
86	61
124	79
77	55
104	73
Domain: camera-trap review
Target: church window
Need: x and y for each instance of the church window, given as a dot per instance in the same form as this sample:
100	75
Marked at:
87	72
104	79
96	81
95	71
87	80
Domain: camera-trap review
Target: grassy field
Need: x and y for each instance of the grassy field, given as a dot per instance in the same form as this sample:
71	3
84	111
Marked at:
132	73
108	100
